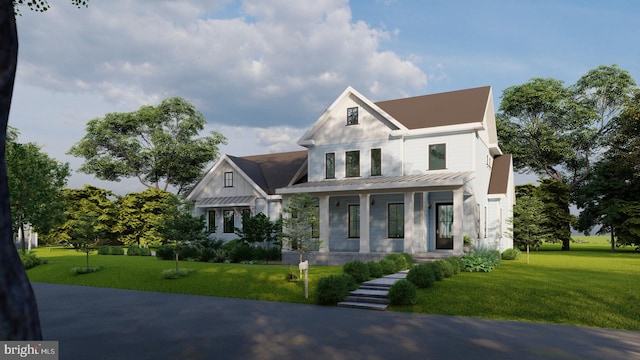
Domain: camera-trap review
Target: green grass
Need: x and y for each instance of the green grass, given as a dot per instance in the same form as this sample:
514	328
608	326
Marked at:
587	286
258	282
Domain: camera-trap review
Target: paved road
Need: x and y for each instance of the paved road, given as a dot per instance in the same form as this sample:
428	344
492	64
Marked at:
98	323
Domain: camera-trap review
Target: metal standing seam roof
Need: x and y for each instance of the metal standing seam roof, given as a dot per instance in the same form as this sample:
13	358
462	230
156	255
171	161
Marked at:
382	183
229	201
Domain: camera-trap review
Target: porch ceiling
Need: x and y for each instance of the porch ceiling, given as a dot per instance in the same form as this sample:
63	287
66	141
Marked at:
229	201
431	181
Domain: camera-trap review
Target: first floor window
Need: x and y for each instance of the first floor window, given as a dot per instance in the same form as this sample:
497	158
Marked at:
229	221
396	221
352	164
315	229
228	179
211	215
330	165
437	157
354	221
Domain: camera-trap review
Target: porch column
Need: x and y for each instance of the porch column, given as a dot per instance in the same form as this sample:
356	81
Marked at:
364	223
323	209
408	221
458	217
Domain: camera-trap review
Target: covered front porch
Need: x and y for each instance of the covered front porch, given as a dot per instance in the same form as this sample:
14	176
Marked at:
370	218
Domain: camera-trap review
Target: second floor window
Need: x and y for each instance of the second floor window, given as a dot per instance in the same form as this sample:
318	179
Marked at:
352	164
352	116
228	179
437	157
330	165
376	162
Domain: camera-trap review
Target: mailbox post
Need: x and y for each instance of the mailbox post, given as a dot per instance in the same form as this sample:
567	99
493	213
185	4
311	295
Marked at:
304	266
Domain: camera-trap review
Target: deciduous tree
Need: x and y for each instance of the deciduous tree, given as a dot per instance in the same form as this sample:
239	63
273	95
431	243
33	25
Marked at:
299	220
158	145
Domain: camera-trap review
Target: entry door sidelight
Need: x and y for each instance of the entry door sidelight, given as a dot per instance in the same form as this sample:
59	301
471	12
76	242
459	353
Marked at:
444	226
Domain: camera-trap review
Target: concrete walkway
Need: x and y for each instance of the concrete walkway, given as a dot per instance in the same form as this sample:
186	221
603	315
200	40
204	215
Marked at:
99	323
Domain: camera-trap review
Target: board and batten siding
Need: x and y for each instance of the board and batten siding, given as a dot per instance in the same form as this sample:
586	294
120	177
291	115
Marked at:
215	186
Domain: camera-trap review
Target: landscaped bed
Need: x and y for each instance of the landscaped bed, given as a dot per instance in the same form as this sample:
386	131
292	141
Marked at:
587	286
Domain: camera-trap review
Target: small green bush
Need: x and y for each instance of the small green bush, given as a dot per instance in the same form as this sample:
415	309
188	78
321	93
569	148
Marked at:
237	251
189	253
110	250
357	269
172	274
511	254
30	260
456	264
134	250
85	270
480	260
165	252
399	260
403	292
438	272
388	266
334	288
375	270
422	276
447	269
409	259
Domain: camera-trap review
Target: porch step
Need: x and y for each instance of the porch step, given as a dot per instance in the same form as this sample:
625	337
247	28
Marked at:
429	257
372	294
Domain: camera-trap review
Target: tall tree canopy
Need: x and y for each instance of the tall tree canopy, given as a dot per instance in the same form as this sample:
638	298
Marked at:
559	131
35	187
154	144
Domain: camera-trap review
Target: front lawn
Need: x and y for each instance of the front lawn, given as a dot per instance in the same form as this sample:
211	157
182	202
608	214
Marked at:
587	286
258	282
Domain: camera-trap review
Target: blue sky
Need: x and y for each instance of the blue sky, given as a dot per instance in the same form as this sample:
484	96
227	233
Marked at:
262	71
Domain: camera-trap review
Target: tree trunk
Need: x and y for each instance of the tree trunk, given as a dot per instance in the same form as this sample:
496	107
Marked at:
22	240
613	240
18	309
527	254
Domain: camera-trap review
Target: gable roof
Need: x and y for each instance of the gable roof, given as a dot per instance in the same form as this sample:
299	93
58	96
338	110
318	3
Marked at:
442	109
500	174
272	171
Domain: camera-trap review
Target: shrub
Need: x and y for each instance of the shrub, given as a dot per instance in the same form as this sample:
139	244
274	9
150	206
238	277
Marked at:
135	250
110	250
334	288
375	270
481	260
422	276
399	260
173	274
237	251
409	259
456	264
189	252
511	254
388	266
84	270
30	260
357	269
447	269
165	252
403	292
438	272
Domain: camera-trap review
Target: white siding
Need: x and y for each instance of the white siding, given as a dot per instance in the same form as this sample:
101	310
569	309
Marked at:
459	147
215	185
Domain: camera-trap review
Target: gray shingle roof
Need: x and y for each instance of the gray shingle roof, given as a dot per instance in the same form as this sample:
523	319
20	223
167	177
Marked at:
271	171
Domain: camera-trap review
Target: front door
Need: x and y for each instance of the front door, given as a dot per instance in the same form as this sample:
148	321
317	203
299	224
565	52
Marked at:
444	226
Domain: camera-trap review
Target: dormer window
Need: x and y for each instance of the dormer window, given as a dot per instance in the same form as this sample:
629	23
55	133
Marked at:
352	116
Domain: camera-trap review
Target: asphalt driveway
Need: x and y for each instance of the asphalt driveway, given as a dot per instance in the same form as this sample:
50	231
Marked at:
99	323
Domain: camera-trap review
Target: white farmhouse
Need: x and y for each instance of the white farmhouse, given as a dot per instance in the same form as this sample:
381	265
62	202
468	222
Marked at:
411	175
